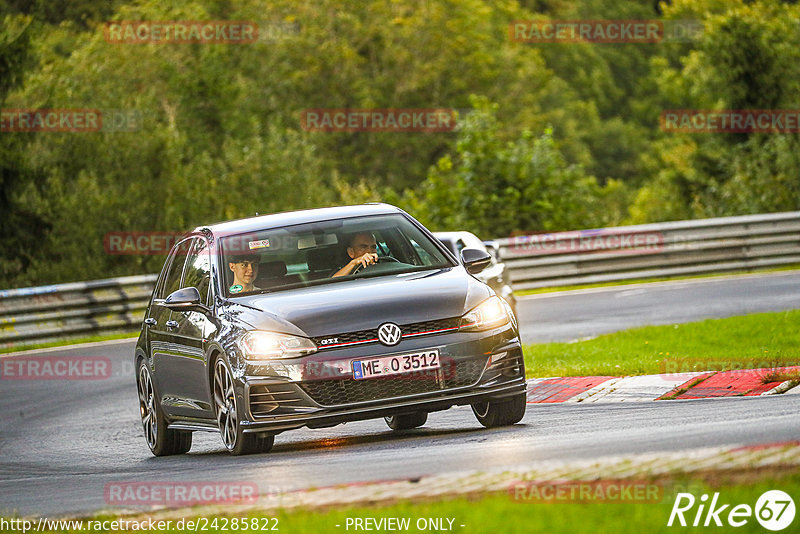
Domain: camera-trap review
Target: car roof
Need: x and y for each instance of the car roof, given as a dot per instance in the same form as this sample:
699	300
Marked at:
288	218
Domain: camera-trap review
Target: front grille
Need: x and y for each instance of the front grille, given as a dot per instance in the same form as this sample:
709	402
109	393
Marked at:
361	336
349	337
429	326
450	375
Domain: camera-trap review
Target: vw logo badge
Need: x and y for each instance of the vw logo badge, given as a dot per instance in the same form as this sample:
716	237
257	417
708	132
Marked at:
389	334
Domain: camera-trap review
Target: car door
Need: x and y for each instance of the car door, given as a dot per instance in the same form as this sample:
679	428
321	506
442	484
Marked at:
159	320
187	361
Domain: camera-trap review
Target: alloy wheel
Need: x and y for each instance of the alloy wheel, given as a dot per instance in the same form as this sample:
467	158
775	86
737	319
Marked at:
225	402
147	407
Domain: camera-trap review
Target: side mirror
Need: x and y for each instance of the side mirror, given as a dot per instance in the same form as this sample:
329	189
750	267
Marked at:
475	260
185	299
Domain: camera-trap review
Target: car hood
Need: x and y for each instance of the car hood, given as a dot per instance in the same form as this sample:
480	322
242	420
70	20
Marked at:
363	303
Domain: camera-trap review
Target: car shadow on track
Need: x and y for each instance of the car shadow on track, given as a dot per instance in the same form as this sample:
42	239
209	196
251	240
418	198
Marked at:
382	439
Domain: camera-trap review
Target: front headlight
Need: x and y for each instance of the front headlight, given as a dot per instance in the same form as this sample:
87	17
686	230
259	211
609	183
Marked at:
258	345
488	314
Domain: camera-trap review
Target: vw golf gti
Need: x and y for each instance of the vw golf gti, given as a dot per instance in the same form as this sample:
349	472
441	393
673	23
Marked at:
318	317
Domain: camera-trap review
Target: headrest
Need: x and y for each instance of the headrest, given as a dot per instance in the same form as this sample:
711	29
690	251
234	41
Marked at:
272	269
321	259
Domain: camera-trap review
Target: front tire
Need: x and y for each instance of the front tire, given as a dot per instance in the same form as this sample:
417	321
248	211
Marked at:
161	440
501	412
228	413
406	421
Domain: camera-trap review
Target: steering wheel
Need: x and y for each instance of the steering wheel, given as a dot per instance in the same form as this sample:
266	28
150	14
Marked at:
381	259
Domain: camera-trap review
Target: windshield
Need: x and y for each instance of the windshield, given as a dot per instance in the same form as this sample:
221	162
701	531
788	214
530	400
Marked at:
309	254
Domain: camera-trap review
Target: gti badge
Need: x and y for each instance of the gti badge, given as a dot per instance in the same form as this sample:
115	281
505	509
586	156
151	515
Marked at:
389	334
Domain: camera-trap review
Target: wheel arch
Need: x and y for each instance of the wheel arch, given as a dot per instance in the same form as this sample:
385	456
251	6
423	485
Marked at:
213	354
138	357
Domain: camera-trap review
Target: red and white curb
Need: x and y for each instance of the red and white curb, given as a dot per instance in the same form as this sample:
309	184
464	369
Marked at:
692	385
635	388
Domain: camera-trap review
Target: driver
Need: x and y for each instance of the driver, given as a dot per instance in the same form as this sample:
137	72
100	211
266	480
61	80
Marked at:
363	251
245	271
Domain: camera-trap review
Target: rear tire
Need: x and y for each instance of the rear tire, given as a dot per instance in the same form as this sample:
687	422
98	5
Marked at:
502	412
161	440
228	414
406	421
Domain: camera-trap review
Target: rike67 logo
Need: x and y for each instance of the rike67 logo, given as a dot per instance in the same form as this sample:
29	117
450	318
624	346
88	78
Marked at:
774	510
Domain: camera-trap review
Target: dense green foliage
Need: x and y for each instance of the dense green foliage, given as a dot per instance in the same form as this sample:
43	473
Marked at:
552	136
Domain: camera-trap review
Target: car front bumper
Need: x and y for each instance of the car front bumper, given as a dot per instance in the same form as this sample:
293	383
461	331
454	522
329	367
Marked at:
321	392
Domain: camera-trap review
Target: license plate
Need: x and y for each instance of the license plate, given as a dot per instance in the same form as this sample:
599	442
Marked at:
395	365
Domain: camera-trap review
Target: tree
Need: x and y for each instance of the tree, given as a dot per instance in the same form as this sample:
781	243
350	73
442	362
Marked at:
20	225
493	188
748	59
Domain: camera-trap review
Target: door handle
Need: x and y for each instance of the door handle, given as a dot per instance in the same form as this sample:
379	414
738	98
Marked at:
172	324
150	321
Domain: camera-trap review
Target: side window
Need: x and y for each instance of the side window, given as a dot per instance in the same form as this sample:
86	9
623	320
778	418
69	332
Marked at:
422	254
383	248
198	269
172	281
460	245
398	245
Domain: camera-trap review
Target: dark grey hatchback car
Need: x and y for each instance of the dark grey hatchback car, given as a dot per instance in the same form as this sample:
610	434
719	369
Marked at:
249	334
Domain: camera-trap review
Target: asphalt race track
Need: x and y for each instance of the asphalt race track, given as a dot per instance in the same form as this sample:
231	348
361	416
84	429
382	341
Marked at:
63	441
586	313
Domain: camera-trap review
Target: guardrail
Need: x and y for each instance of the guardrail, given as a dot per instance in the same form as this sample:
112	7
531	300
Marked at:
63	311
652	250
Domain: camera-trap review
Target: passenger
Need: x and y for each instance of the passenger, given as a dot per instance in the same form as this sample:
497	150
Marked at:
362	248
245	271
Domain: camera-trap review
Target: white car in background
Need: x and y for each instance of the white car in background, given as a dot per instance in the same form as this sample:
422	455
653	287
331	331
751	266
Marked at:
496	275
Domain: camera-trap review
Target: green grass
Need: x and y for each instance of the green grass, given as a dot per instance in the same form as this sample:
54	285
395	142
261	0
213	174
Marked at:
504	514
67	342
501	513
750	341
554	289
